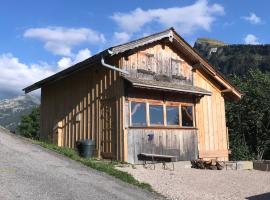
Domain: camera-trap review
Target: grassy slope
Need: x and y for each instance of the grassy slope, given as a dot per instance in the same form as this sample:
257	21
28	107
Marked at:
106	167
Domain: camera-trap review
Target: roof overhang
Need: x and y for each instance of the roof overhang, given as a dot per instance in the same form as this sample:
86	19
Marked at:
167	86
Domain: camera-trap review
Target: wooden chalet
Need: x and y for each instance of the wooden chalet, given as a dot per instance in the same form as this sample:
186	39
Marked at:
152	95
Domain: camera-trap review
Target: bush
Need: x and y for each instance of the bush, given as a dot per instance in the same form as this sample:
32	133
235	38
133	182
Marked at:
30	124
249	119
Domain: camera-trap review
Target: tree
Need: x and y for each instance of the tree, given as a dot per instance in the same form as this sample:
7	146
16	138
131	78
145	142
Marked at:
30	124
249	119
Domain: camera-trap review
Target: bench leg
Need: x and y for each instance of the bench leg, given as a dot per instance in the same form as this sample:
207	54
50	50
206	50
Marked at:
165	166
150	165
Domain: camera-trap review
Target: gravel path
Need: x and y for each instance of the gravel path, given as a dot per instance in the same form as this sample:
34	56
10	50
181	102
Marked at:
184	183
29	172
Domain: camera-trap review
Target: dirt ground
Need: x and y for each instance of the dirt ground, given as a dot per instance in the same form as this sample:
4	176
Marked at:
187	183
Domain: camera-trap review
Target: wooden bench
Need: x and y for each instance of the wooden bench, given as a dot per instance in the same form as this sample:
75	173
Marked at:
156	158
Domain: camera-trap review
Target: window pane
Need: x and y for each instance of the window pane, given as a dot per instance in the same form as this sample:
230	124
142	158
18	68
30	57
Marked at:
187	116
172	115
156	114
138	114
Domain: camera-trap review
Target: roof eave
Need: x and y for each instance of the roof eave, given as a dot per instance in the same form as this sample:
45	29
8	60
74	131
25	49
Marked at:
171	89
66	72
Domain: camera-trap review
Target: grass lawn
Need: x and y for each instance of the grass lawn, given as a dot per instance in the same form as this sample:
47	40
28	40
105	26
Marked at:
106	167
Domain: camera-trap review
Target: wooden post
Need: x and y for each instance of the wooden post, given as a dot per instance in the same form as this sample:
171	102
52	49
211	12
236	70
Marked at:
58	134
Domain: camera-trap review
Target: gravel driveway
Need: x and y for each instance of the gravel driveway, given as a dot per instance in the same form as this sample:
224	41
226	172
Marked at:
184	183
29	172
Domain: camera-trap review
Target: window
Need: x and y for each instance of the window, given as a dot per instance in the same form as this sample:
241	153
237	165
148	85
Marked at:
147	61
176	66
156	115
138	114
187	116
172	115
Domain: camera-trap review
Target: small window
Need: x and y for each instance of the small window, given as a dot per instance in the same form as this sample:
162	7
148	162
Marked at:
172	115
138	114
176	66
156	115
147	61
187	116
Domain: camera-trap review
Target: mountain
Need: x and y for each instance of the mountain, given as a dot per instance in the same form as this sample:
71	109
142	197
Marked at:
12	109
234	58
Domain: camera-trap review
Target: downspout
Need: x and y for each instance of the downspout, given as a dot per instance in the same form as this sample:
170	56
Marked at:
113	67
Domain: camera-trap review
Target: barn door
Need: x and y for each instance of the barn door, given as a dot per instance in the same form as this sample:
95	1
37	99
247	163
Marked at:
108	135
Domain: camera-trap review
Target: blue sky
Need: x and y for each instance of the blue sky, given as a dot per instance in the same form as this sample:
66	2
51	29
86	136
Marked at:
39	38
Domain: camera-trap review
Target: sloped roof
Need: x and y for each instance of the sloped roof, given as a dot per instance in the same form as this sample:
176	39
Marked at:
167	34
167	86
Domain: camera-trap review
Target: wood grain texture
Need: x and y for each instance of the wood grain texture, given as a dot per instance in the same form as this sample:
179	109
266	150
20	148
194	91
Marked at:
165	142
155	61
211	122
88	105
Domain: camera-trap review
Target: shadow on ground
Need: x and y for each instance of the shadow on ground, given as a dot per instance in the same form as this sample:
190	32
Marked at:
265	196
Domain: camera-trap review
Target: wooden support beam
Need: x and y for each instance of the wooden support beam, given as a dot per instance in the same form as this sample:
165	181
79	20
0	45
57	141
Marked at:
196	66
226	90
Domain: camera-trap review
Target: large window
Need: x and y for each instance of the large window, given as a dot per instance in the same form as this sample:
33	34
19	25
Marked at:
172	113
138	114
175	115
187	115
156	115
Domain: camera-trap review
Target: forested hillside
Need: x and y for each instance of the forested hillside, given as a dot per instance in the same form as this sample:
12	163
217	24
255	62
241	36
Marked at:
234	59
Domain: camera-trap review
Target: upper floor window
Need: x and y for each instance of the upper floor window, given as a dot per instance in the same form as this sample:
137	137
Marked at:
138	114
176	66
146	61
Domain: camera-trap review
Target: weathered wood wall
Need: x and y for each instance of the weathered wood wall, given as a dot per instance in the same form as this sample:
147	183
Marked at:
180	142
155	60
176	142
211	122
89	105
210	111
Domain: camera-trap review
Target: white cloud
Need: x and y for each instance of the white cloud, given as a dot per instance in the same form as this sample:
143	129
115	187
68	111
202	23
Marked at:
60	40
66	62
251	39
253	18
82	55
186	20
121	37
16	75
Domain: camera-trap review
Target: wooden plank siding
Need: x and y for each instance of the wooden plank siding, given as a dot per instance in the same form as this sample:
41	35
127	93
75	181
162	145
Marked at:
209	111
210	120
160	61
76	102
179	143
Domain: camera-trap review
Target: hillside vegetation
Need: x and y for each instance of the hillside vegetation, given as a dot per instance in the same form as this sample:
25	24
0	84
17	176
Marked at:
234	59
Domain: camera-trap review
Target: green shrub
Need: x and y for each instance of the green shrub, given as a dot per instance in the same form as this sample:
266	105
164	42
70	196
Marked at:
30	124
